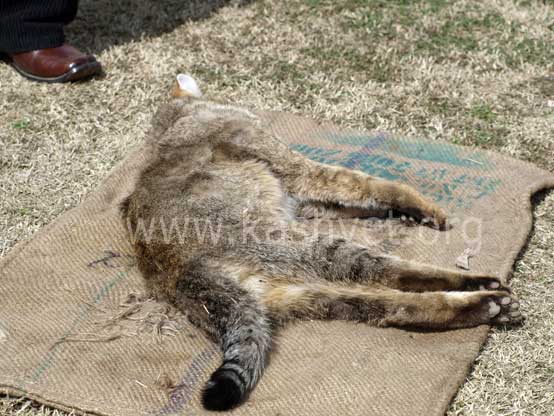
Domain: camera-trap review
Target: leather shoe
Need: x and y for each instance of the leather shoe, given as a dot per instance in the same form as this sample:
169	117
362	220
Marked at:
61	64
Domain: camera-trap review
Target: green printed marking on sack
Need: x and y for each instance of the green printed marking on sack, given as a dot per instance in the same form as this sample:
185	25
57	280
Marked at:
424	150
447	187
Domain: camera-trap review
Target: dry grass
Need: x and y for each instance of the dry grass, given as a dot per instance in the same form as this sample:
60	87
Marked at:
470	72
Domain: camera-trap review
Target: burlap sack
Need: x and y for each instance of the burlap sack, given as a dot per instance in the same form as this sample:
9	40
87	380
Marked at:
75	332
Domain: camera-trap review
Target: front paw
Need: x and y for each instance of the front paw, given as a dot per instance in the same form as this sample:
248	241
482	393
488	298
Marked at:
435	217
429	215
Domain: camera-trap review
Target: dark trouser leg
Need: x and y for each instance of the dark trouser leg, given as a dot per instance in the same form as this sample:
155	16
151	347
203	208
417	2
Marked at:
27	25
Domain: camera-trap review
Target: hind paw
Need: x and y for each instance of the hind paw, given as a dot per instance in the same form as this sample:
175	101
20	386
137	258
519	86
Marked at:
503	309
485	283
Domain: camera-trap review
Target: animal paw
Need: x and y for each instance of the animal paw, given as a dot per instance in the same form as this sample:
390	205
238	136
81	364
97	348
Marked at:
503	309
484	283
429	215
436	218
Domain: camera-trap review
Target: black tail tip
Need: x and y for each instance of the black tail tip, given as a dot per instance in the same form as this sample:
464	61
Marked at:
222	392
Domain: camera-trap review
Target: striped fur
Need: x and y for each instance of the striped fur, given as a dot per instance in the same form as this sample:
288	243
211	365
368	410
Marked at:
213	222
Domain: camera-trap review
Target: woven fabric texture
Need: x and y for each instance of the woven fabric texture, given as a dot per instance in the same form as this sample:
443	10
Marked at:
77	332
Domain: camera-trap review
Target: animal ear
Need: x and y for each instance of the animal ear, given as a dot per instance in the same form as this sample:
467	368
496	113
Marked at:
186	86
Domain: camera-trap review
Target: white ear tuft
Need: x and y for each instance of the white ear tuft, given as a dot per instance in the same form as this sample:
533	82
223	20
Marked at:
188	85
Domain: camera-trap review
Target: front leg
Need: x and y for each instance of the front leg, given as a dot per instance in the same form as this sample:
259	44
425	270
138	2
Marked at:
317	182
355	189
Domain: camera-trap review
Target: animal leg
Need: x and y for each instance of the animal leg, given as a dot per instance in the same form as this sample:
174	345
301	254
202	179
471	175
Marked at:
388	307
312	181
338	260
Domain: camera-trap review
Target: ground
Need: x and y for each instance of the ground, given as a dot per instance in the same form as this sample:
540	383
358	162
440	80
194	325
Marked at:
469	72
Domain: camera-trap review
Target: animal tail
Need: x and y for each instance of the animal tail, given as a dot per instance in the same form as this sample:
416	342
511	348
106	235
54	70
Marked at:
245	343
244	325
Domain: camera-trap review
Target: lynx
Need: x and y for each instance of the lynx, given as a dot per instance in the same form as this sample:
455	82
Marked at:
215	165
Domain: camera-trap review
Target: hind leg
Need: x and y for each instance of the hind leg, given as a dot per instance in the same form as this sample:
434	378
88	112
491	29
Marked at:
336	259
288	290
418	277
233	317
388	307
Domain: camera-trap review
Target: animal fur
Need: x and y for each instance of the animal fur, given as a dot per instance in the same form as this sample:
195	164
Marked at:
213	223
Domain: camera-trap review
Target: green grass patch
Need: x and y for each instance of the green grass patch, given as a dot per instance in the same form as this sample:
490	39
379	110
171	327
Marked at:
462	33
484	136
483	112
22	123
350	60
443	106
528	51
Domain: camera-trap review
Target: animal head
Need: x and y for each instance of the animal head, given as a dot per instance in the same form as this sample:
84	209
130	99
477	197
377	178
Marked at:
186	86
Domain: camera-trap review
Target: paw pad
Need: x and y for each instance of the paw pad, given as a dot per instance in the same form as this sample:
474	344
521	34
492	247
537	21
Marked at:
494	309
505	310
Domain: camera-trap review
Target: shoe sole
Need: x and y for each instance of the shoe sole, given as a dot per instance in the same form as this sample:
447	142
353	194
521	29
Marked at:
78	72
